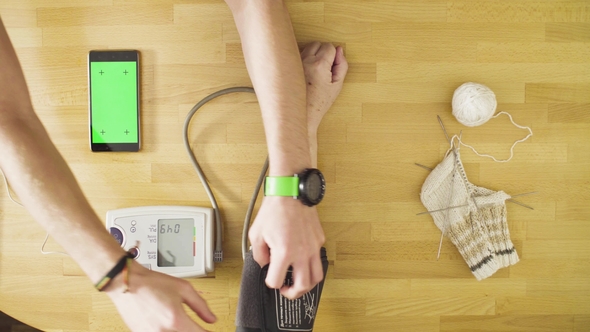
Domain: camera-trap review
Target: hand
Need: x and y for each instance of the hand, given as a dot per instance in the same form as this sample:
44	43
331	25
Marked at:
325	68
154	302
287	233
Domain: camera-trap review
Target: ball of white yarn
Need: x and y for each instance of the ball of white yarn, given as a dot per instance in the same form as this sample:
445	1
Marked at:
473	104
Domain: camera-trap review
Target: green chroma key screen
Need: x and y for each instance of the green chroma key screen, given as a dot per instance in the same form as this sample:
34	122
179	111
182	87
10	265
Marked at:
113	98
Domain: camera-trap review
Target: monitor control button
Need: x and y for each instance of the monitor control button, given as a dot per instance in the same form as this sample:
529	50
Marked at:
134	252
117	234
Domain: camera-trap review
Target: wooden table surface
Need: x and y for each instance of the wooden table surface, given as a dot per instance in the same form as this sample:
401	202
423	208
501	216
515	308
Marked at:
406	58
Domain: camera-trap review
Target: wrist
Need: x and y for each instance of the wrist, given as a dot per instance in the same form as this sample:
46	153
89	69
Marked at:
308	186
312	138
121	283
94	250
121	268
312	131
285	201
289	166
117	285
288	150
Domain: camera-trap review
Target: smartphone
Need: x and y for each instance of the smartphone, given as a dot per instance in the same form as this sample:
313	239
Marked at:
113	94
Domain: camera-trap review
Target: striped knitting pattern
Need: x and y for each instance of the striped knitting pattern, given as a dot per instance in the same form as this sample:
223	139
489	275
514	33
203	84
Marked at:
472	217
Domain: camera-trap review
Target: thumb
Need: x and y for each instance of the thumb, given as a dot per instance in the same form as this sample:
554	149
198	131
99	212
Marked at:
340	66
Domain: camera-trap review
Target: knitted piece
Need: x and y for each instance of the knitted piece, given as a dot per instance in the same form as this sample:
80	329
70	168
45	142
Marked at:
476	223
469	238
494	218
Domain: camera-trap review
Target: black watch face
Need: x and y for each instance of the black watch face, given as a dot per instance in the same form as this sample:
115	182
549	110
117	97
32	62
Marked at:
313	187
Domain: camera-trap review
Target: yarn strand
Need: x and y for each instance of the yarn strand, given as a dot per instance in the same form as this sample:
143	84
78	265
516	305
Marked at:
511	148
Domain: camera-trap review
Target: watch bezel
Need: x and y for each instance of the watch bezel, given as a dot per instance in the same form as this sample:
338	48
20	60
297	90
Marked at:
304	190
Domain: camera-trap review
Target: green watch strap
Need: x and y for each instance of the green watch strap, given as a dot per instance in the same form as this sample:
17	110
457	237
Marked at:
281	186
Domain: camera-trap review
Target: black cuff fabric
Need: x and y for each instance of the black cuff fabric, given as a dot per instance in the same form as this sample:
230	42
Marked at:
262	309
249	312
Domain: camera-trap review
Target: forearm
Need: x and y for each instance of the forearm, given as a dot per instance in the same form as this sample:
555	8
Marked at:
48	190
42	180
274	65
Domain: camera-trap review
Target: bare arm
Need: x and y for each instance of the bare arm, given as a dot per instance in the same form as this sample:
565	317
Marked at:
284	226
42	180
48	190
273	62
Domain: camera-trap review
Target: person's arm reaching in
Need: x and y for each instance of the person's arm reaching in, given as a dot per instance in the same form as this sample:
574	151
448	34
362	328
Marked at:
285	232
48	190
285	226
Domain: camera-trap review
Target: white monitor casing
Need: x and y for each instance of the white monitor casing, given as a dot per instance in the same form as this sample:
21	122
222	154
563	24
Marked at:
140	225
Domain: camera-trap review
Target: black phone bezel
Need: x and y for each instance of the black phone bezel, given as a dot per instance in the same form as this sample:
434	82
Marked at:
108	56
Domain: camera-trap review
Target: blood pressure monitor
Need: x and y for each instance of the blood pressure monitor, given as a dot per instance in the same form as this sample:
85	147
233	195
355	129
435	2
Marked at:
176	240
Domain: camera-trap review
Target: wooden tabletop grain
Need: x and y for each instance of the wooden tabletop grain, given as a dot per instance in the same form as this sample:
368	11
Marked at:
406	58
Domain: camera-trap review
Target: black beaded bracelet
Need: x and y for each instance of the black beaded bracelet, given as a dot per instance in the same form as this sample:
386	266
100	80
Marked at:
121	266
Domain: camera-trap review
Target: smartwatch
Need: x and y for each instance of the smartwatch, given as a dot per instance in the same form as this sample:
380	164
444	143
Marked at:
308	186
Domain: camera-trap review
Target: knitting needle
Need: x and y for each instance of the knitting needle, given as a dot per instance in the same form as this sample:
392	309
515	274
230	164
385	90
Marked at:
425	167
519	203
454	151
509	200
443	128
442	234
522	204
451	195
524	194
464	205
458	206
439	210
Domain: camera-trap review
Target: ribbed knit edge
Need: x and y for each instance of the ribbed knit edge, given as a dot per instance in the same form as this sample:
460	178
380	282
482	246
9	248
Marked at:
486	270
507	257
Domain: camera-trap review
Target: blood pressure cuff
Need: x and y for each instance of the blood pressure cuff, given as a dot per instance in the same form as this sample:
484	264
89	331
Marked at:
263	309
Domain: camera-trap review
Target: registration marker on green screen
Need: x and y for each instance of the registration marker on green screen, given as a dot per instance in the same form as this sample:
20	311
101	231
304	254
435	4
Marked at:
113	101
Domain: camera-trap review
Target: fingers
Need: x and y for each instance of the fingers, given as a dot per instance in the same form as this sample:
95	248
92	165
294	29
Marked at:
340	66
333	55
198	304
317	270
260	252
277	270
327	51
301	282
185	324
305	276
311	49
